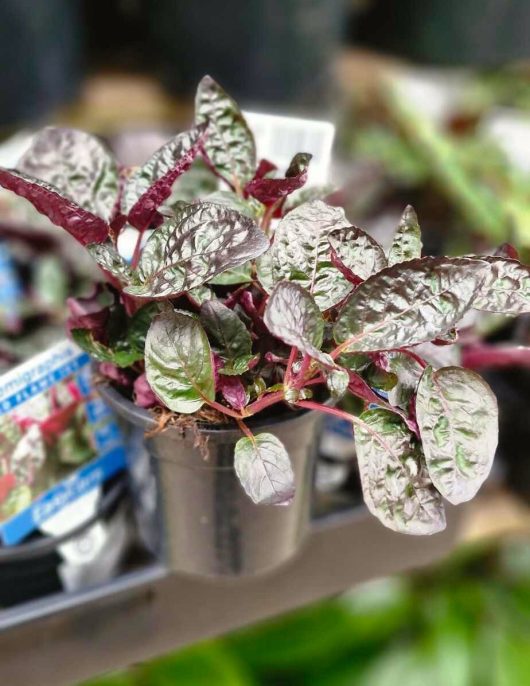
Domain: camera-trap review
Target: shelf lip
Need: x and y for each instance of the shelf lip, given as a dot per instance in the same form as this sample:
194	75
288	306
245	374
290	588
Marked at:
150	612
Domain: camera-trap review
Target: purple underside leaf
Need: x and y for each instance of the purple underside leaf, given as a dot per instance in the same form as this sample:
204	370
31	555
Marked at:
81	224
269	191
185	149
233	391
143	393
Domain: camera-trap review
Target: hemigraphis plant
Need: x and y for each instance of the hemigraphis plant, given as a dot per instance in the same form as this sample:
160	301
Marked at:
247	299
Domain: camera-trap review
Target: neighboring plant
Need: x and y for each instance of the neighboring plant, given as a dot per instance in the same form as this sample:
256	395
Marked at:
221	315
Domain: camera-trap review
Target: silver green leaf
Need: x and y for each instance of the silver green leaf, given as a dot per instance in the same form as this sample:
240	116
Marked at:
408	372
458	420
337	381
230	334
358	251
204	240
407	243
301	253
178	362
292	315
229	143
165	159
506	287
395	482
232	277
264	469
77	164
201	294
408	303
249	206
111	261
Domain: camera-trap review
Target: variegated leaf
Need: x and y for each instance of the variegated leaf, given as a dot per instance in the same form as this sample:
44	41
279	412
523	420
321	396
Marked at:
409	303
407	243
395	482
506	287
458	420
357	251
264	469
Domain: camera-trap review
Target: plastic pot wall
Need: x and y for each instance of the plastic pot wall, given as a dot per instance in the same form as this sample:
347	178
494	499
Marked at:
209	525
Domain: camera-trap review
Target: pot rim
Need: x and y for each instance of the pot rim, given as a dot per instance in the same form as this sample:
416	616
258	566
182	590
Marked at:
142	417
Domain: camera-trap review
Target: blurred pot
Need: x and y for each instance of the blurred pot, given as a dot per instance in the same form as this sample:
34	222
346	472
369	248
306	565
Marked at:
40	51
210	527
262	51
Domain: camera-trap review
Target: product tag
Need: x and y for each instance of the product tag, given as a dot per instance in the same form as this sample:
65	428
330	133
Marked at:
279	138
58	440
11	293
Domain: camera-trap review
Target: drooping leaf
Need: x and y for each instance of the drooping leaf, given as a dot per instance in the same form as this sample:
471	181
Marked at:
147	188
231	335
506	287
408	303
111	261
268	191
205	240
292	315
407	243
337	381
78	165
395	482
357	252
233	391
264	469
178	362
83	225
300	253
458	420
229	143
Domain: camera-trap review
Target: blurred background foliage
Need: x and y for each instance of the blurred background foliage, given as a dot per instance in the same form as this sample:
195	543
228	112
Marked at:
464	623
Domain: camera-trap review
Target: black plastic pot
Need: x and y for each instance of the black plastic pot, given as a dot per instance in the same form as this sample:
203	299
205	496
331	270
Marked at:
210	527
262	51
41	54
484	33
31	569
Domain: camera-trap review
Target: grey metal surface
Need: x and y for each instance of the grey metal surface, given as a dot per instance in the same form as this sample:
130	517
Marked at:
66	639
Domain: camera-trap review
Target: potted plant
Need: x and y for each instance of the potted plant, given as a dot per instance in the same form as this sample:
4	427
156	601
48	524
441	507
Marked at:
243	315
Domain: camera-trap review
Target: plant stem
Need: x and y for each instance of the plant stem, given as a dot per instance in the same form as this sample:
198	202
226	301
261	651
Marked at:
137	251
333	411
482	356
224	410
262	403
244	428
289	371
306	363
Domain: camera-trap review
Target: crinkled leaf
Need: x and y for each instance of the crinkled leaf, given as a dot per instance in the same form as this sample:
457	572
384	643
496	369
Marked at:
229	144
408	303
178	362
395	482
233	391
300	253
458	420
83	225
121	355
230	334
200	294
506	287
292	315
357	252
110	260
204	240
264	469
232	277
268	191
78	165
248	207
308	194
408	372
148	187
337	381
380	378
407	243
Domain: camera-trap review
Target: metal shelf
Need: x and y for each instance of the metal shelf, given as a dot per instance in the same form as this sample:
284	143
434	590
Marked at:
67	638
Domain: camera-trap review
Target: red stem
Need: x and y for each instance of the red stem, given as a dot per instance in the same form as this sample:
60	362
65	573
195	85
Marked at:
289	371
333	411
137	251
482	356
262	403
